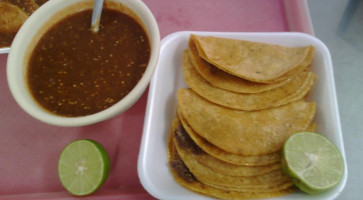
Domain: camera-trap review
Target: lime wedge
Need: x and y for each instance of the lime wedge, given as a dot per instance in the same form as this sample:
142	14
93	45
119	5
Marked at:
83	167
313	161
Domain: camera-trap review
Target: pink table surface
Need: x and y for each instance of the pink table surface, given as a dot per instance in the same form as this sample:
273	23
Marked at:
29	149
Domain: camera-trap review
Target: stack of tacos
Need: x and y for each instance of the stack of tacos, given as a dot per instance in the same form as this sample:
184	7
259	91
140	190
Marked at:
244	100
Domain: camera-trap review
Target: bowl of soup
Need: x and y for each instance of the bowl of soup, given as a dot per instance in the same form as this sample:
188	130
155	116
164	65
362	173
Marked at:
62	73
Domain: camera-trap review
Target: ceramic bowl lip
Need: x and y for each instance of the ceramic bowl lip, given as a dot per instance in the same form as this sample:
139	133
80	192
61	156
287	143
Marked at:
16	69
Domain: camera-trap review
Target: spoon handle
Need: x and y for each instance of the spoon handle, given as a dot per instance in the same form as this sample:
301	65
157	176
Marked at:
96	15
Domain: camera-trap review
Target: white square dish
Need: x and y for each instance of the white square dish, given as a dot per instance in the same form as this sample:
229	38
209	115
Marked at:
153	169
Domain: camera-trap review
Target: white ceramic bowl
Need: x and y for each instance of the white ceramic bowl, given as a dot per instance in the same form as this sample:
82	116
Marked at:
153	166
17	66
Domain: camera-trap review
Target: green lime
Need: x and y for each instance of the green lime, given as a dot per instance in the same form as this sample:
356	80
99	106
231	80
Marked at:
313	161
83	167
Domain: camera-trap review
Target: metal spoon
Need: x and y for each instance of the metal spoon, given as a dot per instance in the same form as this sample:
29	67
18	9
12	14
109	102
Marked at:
96	15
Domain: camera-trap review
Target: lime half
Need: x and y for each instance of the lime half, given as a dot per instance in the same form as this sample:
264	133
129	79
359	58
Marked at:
83	167
313	161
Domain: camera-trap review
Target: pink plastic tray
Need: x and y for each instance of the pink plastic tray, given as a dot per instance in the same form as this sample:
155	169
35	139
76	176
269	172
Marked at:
29	149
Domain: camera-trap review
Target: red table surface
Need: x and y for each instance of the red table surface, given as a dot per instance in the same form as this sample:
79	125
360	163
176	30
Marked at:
29	149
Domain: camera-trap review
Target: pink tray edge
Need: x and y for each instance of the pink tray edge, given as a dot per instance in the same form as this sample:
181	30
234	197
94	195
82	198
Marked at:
298	19
298	16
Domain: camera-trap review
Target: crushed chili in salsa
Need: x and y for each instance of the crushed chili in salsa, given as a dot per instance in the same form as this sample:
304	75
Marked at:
73	71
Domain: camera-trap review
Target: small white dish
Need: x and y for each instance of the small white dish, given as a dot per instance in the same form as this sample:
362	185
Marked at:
153	166
4	50
48	14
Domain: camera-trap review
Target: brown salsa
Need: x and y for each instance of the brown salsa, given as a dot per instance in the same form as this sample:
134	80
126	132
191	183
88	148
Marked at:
75	72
